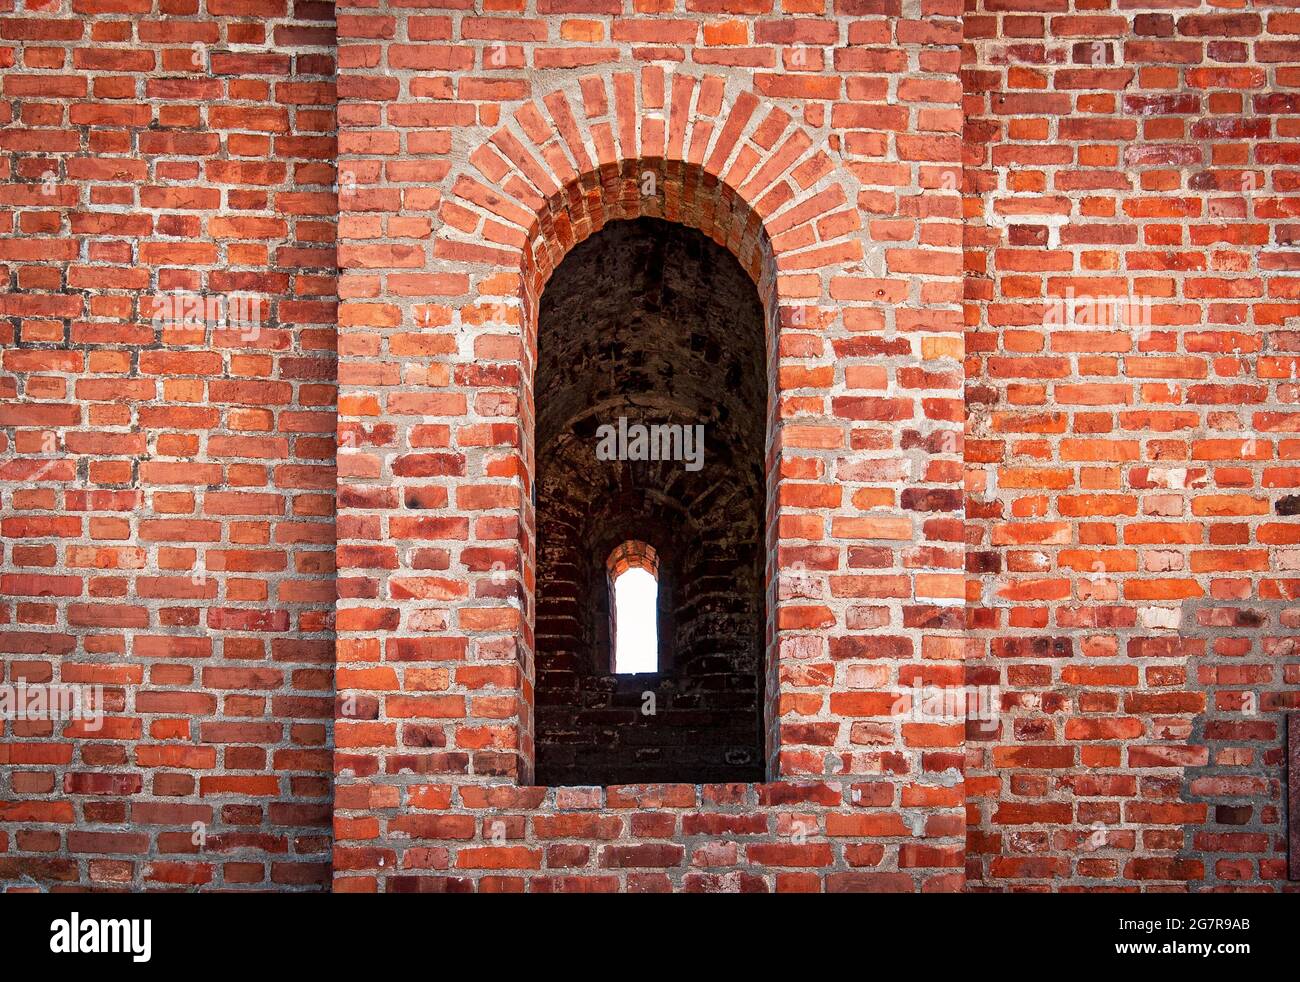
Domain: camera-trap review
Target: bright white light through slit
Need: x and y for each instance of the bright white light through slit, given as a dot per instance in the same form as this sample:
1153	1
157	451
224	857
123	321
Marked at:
636	645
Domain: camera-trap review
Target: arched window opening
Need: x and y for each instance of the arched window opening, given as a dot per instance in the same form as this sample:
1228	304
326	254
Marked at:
651	406
633	573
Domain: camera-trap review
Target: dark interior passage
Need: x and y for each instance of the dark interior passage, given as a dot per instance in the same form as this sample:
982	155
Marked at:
654	324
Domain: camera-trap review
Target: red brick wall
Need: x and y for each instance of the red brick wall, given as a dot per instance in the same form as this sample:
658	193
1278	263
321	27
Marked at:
167	495
1131	489
483	147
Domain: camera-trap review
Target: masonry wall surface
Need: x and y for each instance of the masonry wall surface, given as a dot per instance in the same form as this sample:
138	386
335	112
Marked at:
486	144
1131	528
167	496
295	703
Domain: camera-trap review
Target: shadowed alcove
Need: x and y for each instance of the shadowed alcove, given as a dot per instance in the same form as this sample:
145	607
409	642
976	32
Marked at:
651	323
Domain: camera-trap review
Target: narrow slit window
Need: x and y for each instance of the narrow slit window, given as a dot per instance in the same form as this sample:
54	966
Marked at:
634	609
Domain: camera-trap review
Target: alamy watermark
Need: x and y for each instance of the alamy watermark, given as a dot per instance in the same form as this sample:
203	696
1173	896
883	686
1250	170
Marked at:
1097	311
949	704
655	441
76	935
23	701
185	310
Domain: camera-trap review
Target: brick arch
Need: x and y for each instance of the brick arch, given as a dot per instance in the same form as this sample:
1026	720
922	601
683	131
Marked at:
748	176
